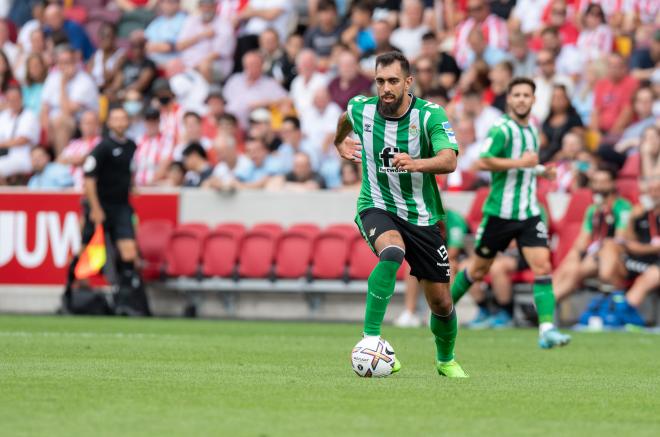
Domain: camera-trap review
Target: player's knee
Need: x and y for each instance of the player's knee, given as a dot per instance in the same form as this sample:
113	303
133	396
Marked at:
392	253
542	269
441	304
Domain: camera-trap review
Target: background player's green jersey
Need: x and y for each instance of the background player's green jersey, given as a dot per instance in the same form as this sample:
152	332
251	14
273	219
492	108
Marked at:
607	220
512	192
422	132
457	228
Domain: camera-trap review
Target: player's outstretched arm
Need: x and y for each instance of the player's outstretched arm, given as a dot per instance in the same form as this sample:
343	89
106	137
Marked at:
444	162
528	159
347	148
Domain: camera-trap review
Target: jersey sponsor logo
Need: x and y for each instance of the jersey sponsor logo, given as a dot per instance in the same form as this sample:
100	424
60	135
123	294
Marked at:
387	156
450	132
367	127
542	230
413	131
116	151
372	232
442	251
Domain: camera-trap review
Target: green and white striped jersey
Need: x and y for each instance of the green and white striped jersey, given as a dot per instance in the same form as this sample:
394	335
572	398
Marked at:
421	132
512	192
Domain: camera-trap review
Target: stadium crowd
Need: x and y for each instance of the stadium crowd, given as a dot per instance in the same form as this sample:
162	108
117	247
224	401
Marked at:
233	94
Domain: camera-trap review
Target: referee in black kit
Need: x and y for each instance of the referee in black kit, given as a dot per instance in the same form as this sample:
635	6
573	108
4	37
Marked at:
107	186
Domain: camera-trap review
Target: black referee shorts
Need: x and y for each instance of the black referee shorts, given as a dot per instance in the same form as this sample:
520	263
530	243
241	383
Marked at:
118	222
495	234
426	247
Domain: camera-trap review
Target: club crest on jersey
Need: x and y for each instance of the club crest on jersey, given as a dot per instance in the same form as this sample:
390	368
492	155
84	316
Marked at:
413	131
450	132
387	156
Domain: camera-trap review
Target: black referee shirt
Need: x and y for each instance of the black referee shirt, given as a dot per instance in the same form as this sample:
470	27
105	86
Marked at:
110	164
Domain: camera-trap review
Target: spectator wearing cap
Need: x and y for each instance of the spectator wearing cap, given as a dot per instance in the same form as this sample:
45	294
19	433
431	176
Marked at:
262	166
382	31
230	163
19	133
207	42
301	177
215	109
307	81
322	37
259	15
196	164
135	72
163	32
596	37
188	85
103	64
251	89
408	36
171	113
613	94
545	81
68	92
294	142
349	81
47	175
75	34
153	154
261	126
76	151
359	35
492	27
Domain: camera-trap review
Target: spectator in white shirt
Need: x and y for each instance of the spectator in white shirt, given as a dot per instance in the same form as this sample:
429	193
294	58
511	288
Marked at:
163	32
408	37
24	34
20	131
68	92
230	163
307	81
207	42
527	15
545	82
484	116
262	14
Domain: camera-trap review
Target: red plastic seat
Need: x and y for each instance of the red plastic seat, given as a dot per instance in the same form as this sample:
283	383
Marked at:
475	213
233	227
330	255
632	168
628	188
184	251
523	277
152	239
567	235
311	229
257	253
294	254
275	229
350	230
221	252
577	206
361	260
201	229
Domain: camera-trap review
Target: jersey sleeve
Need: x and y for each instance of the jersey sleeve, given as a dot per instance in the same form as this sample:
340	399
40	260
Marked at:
94	162
493	146
622	214
352	107
439	130
587	223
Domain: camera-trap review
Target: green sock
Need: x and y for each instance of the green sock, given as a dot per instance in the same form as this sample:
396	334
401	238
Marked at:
444	329
461	285
544	299
379	291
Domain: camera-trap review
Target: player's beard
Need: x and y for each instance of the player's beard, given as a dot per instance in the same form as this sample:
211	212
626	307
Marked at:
522	115
390	109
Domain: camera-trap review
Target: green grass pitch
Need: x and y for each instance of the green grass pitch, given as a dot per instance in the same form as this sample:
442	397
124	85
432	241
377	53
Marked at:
84	377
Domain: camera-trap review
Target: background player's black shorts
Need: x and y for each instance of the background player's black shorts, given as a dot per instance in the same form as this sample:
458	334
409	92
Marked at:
637	266
118	222
426	248
495	234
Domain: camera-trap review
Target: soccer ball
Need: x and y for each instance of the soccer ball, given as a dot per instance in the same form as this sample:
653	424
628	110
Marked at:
372	357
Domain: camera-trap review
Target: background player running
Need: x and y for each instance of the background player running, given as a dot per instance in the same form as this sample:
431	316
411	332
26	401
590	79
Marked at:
512	211
403	142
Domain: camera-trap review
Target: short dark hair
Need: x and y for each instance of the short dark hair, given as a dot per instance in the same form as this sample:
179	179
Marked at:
550	29
429	36
178	165
608	168
47	150
195	148
520	81
390	58
363	5
326	5
231	118
473	91
438	91
192	114
295	121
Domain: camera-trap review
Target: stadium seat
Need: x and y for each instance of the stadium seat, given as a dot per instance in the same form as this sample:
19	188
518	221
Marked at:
567	234
234	227
580	201
184	251
331	255
257	254
348	229
309	228
628	188
475	214
294	254
632	167
275	229
361	260
220	253
201	229
152	239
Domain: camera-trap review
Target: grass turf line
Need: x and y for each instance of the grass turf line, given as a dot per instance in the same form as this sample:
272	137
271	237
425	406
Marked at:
81	376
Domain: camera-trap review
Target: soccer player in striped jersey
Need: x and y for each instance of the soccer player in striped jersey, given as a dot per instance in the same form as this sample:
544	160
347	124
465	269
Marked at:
402	142
511	210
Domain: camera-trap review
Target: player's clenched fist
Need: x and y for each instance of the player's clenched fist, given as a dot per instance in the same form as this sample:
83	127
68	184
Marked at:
403	161
350	149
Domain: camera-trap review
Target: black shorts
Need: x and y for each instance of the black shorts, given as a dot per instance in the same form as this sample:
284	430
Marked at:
636	267
495	234
118	222
426	248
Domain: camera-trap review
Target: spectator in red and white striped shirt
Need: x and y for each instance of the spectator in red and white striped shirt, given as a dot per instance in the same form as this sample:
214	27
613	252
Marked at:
76	151
493	27
154	152
596	39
